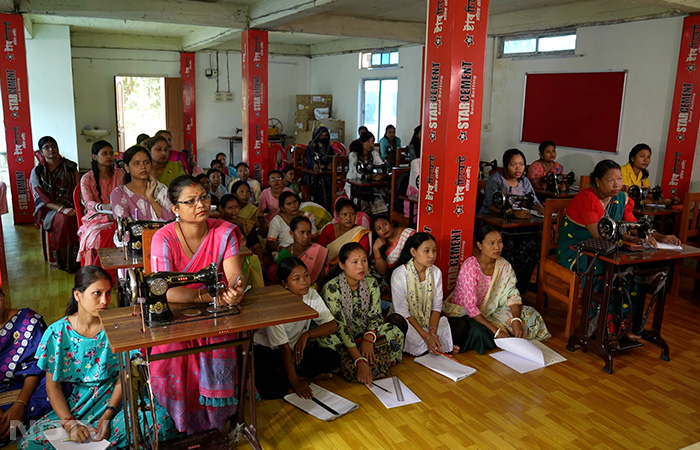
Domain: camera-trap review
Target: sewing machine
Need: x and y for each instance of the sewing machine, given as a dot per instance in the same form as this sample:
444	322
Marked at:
613	230
505	202
638	194
150	291
483	165
134	228
553	180
369	171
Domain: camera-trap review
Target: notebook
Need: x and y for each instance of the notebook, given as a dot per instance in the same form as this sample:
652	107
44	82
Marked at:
57	437
325	405
445	366
525	356
392	392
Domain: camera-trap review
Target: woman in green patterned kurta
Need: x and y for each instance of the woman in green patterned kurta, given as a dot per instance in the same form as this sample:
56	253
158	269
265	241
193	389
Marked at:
353	299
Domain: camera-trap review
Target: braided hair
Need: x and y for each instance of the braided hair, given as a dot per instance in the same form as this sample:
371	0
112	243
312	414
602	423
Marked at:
96	147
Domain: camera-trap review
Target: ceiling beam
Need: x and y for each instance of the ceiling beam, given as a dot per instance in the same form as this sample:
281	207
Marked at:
277	49
351	46
330	25
207	38
570	15
125	41
28	27
687	6
272	13
225	15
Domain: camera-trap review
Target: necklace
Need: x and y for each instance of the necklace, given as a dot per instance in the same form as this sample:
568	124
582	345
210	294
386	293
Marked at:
185	238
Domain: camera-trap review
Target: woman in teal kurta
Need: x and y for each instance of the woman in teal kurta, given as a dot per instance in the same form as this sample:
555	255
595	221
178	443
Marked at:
353	299
75	350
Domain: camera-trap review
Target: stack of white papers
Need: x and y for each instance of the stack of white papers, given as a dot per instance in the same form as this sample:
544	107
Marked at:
398	393
58	437
662	246
525	356
325	405
446	366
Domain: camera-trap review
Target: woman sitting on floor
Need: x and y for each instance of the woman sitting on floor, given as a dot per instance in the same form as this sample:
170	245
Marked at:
283	357
416	294
278	235
335	235
141	197
20	333
198	390
368	347
53	182
95	187
74	350
269	205
313	255
248	214
252	267
486	304
388	243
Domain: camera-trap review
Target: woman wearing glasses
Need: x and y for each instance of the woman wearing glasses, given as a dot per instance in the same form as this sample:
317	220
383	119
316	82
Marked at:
269	205
141	197
197	390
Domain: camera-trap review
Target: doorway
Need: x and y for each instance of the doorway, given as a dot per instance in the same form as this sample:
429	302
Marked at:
146	105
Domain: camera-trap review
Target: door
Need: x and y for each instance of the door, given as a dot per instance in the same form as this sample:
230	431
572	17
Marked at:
173	111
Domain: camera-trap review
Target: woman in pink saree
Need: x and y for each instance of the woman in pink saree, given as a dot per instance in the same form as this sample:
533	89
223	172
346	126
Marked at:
199	390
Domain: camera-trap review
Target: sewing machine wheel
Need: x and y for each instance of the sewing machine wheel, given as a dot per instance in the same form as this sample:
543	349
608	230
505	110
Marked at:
607	228
635	193
137	230
499	199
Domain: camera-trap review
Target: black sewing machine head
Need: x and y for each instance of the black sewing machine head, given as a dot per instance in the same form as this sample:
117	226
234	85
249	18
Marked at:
151	289
368	170
613	230
638	194
134	229
553	180
484	165
322	159
505	202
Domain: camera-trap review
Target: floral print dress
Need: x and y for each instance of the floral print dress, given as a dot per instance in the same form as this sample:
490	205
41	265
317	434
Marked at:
93	370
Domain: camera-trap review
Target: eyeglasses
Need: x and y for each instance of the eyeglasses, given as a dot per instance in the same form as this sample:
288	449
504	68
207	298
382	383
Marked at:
204	199
276	179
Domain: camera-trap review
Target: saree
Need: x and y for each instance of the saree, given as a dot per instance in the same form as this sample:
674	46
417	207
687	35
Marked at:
491	296
315	259
56	187
393	252
199	390
92	369
97	229
19	340
355	234
586	208
127	204
247	218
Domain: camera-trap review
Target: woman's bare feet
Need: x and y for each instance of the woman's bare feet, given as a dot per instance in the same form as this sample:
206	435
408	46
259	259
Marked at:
455	349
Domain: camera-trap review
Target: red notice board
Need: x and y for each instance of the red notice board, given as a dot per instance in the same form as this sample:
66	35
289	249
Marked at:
578	110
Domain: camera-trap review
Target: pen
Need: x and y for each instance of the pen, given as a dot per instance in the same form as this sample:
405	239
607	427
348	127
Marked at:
385	390
324	406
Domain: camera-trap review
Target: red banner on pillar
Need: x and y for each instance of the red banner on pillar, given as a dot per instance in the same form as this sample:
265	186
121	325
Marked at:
15	103
189	107
683	129
254	62
454	69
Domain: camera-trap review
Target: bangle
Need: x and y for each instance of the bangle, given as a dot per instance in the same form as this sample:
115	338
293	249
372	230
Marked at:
431	329
427	336
516	318
65	421
309	333
60	209
76	424
496	333
21	402
373	334
111	408
199	294
361	358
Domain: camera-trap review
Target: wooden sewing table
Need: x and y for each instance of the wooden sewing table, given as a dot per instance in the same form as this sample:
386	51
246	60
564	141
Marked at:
261	307
599	344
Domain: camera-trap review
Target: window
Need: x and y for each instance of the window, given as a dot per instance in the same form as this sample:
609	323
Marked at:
375	60
379	107
546	44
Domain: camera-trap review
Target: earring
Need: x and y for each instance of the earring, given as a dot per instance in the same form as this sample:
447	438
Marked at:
177	218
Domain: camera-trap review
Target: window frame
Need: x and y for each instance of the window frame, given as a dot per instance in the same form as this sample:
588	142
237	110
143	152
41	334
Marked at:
536	37
371	54
363	81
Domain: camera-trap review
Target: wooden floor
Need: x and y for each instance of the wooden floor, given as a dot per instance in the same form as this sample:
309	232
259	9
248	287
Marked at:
645	404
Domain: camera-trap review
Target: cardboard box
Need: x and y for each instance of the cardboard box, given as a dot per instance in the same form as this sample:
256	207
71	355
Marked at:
316	99
302	137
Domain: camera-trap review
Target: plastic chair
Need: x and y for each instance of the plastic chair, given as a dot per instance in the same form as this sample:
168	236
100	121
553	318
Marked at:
339	148
556	281
78	204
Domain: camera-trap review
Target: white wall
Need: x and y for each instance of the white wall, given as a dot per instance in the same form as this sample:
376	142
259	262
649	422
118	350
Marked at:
648	50
95	69
287	77
340	76
50	82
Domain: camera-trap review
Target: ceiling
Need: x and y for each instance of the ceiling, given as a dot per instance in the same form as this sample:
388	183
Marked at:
307	27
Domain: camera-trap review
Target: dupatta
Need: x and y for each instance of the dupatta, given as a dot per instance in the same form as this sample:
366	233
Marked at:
353	235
